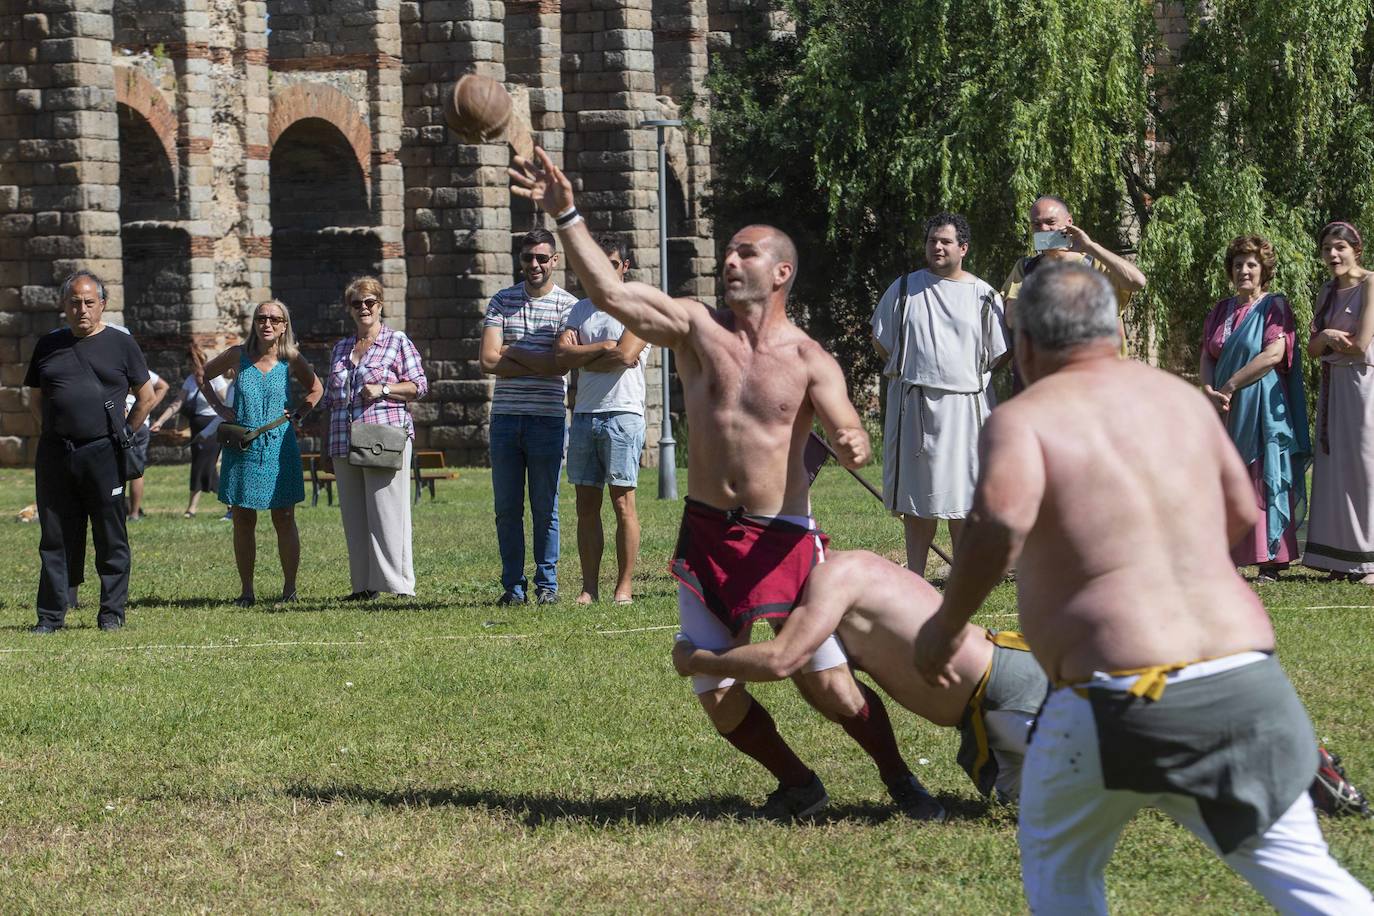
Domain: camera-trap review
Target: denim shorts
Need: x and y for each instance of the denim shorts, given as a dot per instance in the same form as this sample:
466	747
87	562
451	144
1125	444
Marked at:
603	448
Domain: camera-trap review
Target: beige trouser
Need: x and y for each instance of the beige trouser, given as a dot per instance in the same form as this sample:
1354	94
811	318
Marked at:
375	504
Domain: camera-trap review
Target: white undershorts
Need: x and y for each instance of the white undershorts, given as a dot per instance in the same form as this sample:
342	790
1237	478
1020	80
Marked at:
706	631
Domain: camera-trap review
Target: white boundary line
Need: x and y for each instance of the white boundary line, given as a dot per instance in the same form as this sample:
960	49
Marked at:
671	626
275	644
285	643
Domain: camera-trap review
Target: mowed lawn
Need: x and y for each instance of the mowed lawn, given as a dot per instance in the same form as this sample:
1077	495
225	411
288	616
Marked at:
453	755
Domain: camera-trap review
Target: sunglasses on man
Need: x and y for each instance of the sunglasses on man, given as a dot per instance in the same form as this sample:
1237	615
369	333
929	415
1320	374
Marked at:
528	256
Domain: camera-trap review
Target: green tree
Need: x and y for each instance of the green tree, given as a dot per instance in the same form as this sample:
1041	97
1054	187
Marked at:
879	114
1267	128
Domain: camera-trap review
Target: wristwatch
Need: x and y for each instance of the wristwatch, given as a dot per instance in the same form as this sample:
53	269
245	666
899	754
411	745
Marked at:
386	390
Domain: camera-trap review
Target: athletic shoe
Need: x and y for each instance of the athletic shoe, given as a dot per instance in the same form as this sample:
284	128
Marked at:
790	803
364	595
545	596
42	629
511	597
111	626
1332	791
914	801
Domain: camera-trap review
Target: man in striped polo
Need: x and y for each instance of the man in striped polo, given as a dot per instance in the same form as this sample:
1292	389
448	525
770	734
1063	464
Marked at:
528	417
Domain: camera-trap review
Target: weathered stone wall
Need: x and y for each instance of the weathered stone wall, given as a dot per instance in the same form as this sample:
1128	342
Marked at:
202	162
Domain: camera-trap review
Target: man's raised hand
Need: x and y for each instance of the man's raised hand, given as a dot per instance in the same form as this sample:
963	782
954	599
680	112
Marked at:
541	182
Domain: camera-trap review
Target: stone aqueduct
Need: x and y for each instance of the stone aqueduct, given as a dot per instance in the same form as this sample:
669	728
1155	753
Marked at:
205	155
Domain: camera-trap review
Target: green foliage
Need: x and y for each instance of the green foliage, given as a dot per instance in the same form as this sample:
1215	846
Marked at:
1266	120
877	114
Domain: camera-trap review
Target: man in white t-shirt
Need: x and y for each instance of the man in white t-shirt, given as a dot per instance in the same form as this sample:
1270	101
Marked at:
141	437
607	432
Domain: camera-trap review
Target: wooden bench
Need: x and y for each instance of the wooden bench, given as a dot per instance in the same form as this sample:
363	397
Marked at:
427	467
319	473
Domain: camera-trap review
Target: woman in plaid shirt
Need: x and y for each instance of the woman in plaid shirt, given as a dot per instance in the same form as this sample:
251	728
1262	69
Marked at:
374	374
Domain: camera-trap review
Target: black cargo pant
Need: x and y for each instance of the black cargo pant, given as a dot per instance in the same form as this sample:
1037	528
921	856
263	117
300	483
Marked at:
74	482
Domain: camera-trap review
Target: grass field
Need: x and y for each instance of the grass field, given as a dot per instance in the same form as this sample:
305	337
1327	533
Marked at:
452	755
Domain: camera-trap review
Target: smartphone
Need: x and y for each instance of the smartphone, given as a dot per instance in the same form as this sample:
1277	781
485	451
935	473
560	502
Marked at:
1044	241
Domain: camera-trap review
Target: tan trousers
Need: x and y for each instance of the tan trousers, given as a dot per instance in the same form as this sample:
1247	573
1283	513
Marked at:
375	504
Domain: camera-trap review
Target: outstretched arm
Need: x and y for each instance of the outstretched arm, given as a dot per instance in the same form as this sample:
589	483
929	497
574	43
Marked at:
651	313
776	659
830	398
1011	485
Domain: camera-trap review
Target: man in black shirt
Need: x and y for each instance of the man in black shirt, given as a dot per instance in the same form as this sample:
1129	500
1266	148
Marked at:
76	371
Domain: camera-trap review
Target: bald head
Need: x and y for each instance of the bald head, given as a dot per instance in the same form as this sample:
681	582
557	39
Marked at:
1049	213
775	247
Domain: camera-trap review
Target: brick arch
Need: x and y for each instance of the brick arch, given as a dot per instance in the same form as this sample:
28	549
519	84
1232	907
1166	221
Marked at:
301	101
134	89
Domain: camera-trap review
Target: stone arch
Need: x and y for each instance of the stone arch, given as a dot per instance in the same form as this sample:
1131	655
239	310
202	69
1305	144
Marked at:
135	90
303	100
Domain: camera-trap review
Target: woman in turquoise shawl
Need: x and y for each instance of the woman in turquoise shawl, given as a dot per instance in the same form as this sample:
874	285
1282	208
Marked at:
1250	371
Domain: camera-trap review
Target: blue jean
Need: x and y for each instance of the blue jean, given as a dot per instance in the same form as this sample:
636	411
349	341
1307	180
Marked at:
526	447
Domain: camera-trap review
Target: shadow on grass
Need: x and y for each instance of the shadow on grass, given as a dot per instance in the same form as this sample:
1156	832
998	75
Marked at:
640	810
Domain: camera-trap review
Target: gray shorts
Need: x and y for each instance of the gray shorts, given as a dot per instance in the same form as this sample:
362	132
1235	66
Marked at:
603	448
995	729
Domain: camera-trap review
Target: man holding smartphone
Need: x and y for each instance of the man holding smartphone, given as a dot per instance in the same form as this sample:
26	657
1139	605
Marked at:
1058	241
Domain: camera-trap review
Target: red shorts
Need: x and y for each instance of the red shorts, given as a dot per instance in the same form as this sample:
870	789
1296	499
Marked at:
744	567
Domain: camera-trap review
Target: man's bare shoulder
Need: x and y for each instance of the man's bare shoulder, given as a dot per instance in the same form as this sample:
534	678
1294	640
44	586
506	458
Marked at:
1109	385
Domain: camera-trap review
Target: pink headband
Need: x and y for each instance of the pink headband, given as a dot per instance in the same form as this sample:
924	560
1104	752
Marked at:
1359	242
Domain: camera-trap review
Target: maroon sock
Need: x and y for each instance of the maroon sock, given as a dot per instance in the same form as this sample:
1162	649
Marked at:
757	736
872	729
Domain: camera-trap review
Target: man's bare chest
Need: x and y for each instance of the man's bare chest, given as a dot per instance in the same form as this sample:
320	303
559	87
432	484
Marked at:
767	388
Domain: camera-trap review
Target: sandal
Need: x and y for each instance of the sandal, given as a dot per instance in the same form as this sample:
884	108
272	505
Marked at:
292	598
188	515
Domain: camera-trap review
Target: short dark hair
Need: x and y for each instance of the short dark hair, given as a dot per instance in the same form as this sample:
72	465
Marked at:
540	236
961	230
68	283
1258	246
611	243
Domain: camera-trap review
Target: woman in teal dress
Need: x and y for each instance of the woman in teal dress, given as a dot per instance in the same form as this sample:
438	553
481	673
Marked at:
266	475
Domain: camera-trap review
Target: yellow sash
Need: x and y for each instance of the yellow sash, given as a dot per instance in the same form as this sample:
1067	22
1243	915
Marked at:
1151	681
1007	639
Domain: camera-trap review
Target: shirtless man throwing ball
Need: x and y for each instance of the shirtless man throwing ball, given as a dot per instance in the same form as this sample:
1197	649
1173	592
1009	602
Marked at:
753	382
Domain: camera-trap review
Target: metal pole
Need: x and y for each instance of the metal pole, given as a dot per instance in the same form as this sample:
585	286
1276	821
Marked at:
667	447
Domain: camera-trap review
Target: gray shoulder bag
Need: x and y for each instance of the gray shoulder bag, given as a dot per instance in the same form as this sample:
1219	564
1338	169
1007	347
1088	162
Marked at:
374	445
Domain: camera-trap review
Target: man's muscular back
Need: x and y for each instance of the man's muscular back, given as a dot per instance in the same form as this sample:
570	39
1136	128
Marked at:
1127	563
749	411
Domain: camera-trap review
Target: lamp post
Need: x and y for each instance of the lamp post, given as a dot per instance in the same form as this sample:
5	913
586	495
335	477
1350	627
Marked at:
667	448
